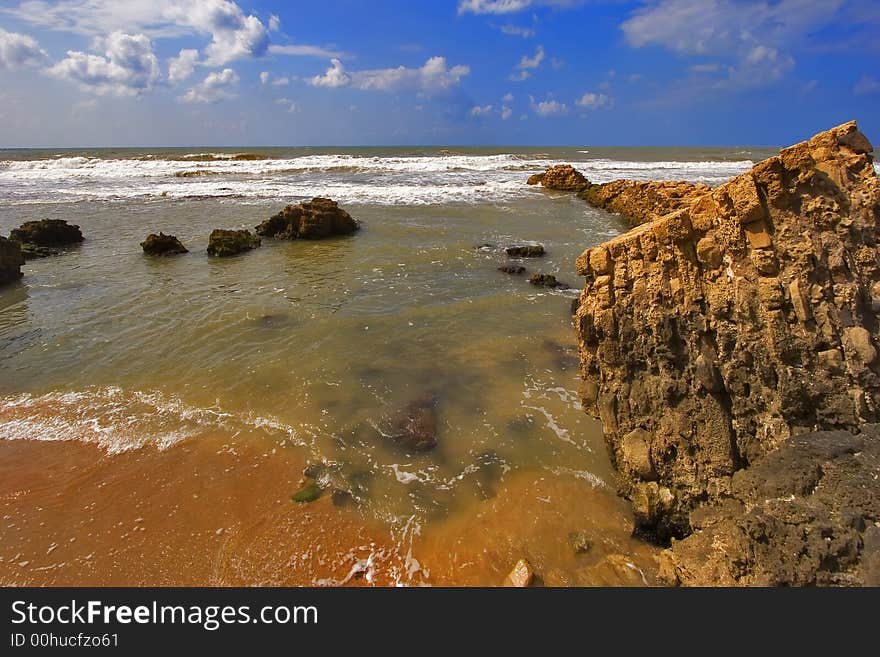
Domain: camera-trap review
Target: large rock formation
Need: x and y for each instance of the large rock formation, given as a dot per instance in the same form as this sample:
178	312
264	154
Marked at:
309	220
643	201
11	261
712	335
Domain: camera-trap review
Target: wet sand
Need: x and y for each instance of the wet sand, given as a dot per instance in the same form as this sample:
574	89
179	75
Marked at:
218	511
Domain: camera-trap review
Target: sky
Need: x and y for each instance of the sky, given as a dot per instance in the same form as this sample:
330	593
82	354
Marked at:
80	73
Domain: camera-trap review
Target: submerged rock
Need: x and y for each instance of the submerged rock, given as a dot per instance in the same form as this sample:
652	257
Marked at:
548	280
417	429
712	335
47	232
229	242
562	177
162	244
527	251
640	201
11	261
309	220
512	269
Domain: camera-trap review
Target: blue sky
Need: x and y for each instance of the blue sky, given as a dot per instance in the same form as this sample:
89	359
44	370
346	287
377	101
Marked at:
346	72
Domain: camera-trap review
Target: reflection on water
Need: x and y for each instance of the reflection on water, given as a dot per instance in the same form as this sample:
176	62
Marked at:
348	359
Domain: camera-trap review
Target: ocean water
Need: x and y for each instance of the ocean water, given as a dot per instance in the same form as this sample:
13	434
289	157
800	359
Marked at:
118	370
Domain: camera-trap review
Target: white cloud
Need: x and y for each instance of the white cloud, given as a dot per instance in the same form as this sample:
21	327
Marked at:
264	77
509	6
274	23
281	82
519	77
704	68
334	77
527	62
867	85
516	30
484	110
182	66
214	88
233	34
128	67
302	50
288	104
548	107
507	98
592	100
18	50
433	76
506	112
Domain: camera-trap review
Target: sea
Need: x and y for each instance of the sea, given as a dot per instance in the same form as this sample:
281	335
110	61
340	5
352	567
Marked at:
159	415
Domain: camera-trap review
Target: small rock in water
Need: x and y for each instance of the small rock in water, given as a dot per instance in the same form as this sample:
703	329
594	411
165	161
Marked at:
535	179
544	280
162	244
229	242
521	576
485	247
308	493
512	269
580	542
527	251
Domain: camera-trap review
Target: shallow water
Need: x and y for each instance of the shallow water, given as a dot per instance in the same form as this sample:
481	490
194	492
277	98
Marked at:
242	371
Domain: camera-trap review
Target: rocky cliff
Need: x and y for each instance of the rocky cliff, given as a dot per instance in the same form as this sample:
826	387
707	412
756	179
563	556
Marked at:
711	335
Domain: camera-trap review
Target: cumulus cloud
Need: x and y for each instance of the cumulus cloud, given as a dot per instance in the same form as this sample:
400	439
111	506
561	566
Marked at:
18	50
215	87
548	107
233	34
592	100
274	23
434	76
264	77
182	66
506	112
484	110
507	98
509	6
281	82
128	66
335	76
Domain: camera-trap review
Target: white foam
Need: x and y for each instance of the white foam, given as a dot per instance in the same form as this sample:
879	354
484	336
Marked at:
411	180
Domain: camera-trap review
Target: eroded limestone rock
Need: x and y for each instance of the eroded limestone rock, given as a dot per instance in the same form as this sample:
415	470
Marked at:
309	220
746	316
